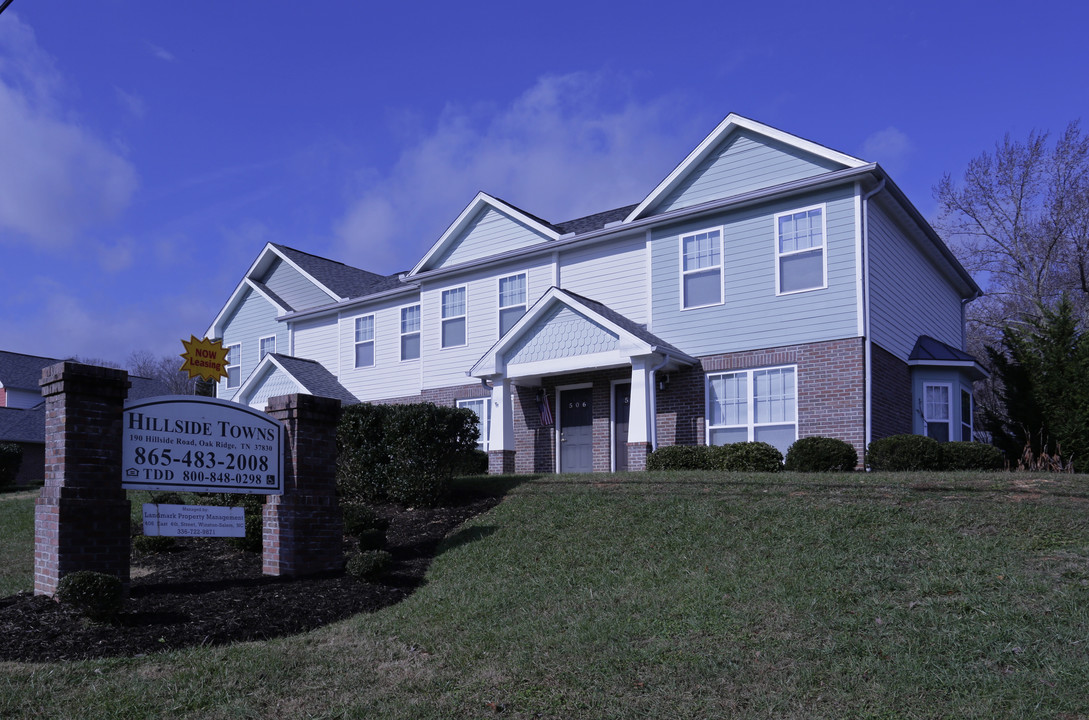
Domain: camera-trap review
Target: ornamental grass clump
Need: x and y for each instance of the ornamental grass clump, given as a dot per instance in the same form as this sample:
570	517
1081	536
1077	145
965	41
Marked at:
821	454
97	595
905	453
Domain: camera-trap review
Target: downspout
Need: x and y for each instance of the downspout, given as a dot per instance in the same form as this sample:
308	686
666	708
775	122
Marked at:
865	261
654	402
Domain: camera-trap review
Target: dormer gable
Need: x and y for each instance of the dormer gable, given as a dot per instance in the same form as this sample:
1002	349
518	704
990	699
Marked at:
488	226
739	156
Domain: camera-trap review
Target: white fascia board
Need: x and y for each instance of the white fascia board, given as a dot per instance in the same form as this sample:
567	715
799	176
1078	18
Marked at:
481	200
213	330
732	122
260	373
981	371
256	287
305	274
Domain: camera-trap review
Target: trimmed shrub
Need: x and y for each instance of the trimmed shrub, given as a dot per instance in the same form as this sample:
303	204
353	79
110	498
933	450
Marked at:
97	595
152	544
680	457
253	506
372	539
360	518
475	462
747	457
971	456
905	452
11	458
368	564
821	454
402	453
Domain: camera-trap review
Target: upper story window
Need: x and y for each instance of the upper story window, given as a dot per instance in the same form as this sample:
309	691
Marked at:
234	365
937	411
453	317
268	345
799	250
410	332
701	269
479	406
364	341
749	405
512	301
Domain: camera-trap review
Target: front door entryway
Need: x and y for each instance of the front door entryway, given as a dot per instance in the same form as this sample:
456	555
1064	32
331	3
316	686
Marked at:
577	430
621	412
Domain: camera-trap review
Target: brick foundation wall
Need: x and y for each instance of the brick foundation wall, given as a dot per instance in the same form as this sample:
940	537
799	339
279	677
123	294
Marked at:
81	516
303	528
891	388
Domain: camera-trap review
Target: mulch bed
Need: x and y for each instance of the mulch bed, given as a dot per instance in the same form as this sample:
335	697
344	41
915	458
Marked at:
204	592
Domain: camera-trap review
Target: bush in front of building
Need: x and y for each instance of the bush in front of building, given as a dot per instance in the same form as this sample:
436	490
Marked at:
971	456
405	454
97	595
11	458
152	544
362	523
368	564
681	457
747	457
821	454
905	452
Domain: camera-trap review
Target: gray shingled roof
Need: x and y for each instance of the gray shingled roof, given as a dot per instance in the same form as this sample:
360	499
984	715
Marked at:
639	331
315	378
345	280
21	371
25	426
594	222
927	348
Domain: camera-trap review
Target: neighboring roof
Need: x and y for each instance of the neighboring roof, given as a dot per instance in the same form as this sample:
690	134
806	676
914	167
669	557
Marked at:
344	280
596	221
24	426
22	372
312	376
142	387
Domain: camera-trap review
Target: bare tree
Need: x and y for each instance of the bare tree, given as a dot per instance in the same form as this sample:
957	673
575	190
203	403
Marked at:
1019	222
166	368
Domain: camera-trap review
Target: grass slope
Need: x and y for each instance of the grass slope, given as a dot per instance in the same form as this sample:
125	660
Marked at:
679	595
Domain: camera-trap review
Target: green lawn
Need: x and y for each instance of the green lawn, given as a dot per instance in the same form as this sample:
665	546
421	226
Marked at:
681	595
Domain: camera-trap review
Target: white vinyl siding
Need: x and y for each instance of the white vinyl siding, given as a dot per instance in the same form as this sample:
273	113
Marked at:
612	273
753	405
294	288
479	406
389	377
364	341
254	317
799	250
701	269
490	233
410	332
453	317
512	301
316	339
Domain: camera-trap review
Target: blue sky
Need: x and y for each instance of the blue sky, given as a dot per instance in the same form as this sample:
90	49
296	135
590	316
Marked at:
149	149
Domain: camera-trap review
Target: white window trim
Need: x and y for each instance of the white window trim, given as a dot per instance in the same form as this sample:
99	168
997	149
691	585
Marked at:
721	230
499	298
260	344
464	316
823	207
750	410
949	420
401	333
482	422
372	341
237	364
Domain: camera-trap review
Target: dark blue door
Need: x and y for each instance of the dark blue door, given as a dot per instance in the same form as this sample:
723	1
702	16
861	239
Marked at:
577	430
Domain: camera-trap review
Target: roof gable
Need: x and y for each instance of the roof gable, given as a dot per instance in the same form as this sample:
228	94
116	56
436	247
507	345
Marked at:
279	374
740	155
487	226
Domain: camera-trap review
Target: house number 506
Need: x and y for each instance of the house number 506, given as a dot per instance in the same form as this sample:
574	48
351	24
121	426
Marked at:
577	405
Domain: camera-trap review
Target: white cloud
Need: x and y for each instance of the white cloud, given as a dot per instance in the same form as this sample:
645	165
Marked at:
160	52
889	147
131	102
56	177
569	146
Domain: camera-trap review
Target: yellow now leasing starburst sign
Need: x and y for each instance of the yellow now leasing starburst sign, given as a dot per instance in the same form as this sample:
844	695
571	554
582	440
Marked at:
204	358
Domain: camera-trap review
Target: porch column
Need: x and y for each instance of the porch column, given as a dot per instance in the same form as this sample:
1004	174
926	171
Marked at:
501	441
640	415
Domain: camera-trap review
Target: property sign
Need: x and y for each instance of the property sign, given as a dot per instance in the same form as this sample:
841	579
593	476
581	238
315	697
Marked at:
194	520
204	358
198	444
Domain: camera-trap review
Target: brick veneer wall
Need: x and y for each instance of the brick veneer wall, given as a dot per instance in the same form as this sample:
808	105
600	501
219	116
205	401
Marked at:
891	390
303	528
81	516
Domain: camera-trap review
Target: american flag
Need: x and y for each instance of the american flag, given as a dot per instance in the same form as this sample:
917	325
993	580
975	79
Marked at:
546	411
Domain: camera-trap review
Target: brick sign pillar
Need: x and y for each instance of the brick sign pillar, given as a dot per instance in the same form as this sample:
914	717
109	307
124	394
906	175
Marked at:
303	528
81	517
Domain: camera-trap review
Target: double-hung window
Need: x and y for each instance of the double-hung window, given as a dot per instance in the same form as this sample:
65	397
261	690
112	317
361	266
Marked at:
234	365
747	405
268	345
453	317
410	332
799	250
937	411
364	341
512	301
965	416
701	269
479	406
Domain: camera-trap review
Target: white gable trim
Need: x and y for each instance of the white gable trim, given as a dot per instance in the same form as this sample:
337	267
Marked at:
261	373
467	215
705	148
305	274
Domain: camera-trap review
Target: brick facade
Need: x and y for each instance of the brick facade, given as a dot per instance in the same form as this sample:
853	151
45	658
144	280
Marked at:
304	528
891	394
81	516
